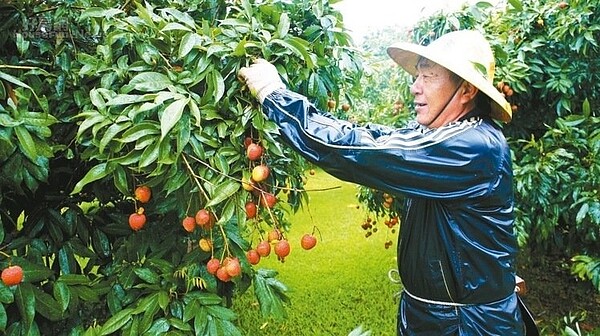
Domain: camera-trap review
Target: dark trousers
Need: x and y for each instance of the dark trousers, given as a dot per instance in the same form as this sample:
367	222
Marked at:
501	318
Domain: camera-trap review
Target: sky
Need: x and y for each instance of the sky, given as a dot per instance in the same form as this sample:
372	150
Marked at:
362	15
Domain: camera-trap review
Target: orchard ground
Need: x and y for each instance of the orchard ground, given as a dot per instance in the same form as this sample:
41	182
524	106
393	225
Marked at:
343	283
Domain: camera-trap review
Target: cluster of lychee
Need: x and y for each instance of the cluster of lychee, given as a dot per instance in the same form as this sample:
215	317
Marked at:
507	92
279	243
331	105
370	225
137	220
227	268
255	183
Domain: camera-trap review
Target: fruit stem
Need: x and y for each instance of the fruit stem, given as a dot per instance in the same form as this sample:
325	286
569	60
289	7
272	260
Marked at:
319	231
196	177
262	194
241	181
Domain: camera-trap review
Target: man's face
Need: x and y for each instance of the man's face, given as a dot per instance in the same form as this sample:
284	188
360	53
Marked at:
433	88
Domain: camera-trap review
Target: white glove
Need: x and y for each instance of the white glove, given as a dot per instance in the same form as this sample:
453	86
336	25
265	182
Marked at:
262	78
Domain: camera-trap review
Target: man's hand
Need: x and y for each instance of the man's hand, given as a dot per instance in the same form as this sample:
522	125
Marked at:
262	78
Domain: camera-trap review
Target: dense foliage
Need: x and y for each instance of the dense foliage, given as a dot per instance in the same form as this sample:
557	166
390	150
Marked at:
102	99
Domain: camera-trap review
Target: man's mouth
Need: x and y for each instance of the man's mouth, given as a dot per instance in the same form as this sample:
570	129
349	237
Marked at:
419	104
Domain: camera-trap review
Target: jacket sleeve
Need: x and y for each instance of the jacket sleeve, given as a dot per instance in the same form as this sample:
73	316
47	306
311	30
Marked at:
451	162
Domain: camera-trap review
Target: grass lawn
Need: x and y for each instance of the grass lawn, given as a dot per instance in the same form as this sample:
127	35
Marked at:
340	284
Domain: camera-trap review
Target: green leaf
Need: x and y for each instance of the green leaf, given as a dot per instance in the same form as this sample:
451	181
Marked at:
97	99
218	85
92	118
181	16
582	212
116	322
586	108
47	306
98	172
66	259
201	321
150	82
188	42
99	12
195	112
6	295
180	325
3	316
128	99
223	192
74	279
299	47
228	212
33	272
175	26
221	164
16	81
150	309
25	300
62	294
159	327
101	243
229	328
112	300
163	299
284	25
38	119
207	299
171	116
147	275
270	297
221	312
26	143
70	220
190	310
120	180
150	154
86	293
140	130
7	121
516	4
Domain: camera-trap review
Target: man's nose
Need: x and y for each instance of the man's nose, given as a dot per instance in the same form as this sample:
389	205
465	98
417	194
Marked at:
415	87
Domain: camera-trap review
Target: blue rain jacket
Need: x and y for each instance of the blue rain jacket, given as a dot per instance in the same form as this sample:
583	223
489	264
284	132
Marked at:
456	241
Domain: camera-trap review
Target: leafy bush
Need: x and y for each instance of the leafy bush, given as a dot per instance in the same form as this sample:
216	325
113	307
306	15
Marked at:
100	98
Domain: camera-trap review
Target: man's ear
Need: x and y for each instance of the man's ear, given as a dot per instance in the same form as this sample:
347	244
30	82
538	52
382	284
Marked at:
468	92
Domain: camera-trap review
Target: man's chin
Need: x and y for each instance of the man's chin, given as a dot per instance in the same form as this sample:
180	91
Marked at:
422	120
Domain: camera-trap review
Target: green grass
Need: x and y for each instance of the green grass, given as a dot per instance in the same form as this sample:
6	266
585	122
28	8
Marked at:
341	283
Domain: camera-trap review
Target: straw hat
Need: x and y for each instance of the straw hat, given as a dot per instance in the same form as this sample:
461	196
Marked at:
466	53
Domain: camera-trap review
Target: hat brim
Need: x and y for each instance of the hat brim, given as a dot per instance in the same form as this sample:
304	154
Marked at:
407	55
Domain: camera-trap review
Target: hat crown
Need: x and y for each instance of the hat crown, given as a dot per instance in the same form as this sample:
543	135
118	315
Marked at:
468	46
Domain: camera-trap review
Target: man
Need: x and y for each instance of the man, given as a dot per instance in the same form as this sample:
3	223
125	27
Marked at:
456	251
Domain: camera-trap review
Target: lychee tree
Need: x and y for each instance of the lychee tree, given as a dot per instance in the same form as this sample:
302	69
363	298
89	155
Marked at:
125	167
